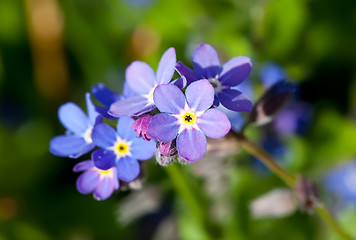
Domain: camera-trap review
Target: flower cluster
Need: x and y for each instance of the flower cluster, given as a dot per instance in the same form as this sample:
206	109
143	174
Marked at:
173	116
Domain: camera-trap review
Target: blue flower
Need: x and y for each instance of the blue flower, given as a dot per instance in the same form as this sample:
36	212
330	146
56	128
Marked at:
206	65
293	119
342	182
106	97
141	78
271	73
187	117
121	148
78	141
101	182
237	119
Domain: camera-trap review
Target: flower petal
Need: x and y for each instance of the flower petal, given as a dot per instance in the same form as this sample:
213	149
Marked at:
127	169
103	135
163	127
166	66
191	144
140	77
65	146
87	148
169	98
73	118
186	72
124	128
82	166
103	159
104	95
103	111
92	113
214	123
105	188
180	82
129	106
206	61
127	91
271	73
235	100
87	181
235	71
200	95
142	149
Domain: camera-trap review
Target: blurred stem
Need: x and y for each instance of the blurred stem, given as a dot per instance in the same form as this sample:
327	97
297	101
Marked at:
184	188
263	156
291	181
324	213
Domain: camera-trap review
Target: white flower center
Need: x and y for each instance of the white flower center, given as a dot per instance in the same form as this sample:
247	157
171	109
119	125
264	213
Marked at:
149	96
216	84
188	119
87	135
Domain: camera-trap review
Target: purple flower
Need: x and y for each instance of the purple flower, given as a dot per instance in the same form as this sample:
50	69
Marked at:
188	117
141	78
101	182
78	141
106	97
207	66
293	119
121	148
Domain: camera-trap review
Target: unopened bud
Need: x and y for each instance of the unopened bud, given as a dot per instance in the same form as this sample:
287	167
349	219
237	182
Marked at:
166	152
141	125
182	160
271	103
307	194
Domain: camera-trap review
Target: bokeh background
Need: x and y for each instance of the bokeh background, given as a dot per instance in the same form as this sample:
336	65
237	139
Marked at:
53	51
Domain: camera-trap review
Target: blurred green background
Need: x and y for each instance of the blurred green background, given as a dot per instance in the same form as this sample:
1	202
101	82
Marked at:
53	51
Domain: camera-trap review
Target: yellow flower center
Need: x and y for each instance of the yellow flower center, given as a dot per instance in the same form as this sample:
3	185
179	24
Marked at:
122	148
105	171
188	118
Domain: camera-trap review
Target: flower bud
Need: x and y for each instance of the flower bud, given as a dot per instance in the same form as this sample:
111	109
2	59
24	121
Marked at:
141	125
166	152
307	194
271	103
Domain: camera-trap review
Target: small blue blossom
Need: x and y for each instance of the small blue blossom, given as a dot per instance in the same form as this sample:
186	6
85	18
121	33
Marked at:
101	182
271	73
78	141
121	148
206	65
188	118
141	78
341	181
293	119
106	97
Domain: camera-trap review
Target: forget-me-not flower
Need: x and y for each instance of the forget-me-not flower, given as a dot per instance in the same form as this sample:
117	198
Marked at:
188	118
78	141
101	182
206	65
121	148
341	181
142	80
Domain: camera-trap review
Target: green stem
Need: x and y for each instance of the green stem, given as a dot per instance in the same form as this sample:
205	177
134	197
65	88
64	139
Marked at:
184	189
264	157
324	214
291	181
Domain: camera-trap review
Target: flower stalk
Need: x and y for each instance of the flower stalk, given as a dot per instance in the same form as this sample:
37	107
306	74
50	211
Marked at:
291	181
